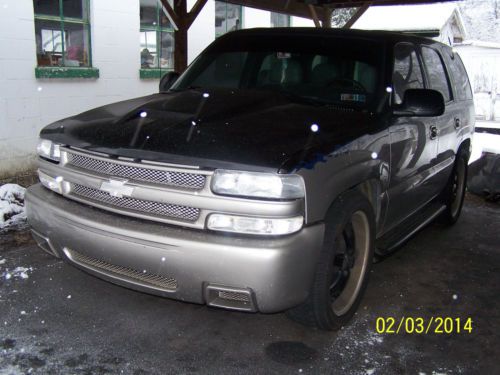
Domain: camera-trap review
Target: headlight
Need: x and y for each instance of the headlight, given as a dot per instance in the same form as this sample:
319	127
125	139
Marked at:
253	225
258	185
48	150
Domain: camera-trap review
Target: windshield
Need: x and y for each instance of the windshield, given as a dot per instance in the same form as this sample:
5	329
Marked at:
338	70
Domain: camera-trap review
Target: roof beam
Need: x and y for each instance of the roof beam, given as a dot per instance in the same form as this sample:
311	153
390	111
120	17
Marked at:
356	16
195	11
314	16
171	13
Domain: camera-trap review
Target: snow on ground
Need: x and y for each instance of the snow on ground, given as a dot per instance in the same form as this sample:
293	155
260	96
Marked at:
485	142
12	212
16	273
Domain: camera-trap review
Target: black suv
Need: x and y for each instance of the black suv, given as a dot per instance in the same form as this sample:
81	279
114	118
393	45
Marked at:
267	176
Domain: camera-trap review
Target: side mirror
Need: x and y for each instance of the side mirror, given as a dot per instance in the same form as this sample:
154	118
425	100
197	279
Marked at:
168	80
421	102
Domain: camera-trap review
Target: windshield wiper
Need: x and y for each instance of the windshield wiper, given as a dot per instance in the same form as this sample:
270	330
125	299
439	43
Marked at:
194	88
314	100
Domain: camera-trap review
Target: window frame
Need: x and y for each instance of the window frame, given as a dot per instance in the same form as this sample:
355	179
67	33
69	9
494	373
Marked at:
62	71
454	60
241	13
157	71
445	69
288	19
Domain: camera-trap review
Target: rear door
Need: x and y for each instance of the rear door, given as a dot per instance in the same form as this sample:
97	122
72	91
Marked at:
449	123
462	96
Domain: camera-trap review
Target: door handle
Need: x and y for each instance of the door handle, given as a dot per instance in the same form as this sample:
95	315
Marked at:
433	132
457	123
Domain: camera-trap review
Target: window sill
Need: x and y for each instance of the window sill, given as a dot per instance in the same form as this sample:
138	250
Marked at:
66	72
153	73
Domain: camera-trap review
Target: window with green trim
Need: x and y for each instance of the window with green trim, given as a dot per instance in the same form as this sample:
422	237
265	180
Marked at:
228	17
280	20
157	38
62	31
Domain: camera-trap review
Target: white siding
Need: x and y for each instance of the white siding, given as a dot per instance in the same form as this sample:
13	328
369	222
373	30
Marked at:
202	31
256	18
27	104
301	22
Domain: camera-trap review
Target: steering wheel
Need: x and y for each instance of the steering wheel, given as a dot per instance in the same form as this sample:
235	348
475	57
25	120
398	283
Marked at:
346	83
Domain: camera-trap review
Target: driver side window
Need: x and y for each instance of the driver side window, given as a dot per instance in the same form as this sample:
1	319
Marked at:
406	73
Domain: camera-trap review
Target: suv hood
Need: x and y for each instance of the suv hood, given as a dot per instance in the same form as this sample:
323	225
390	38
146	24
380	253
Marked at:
255	130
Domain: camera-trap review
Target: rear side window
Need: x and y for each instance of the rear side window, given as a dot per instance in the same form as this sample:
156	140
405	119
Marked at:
460	78
406	73
437	73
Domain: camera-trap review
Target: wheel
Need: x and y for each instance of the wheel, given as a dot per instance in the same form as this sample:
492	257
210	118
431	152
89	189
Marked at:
454	192
342	271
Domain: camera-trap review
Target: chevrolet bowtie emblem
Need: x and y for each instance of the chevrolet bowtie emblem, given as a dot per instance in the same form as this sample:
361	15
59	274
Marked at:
117	188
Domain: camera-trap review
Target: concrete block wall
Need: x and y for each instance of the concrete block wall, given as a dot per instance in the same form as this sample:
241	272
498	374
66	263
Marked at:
27	104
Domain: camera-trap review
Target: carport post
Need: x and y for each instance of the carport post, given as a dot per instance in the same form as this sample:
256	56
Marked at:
182	22
181	36
326	22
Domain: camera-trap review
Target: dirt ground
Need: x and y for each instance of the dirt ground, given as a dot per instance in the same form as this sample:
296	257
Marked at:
59	320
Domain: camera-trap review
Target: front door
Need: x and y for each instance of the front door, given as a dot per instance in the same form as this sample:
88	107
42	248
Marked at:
414	143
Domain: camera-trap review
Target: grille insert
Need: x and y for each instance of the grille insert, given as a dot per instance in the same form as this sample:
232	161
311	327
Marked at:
144	277
166	210
234	296
156	176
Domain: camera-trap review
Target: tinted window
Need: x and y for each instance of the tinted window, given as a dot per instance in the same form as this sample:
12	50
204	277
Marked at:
406	73
460	78
437	73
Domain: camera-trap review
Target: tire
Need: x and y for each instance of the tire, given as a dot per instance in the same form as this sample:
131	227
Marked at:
344	264
454	192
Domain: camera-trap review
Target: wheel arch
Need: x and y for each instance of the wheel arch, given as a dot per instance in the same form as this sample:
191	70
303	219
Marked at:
366	178
465	147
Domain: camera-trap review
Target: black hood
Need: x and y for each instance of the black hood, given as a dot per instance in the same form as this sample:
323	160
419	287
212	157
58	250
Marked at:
220	128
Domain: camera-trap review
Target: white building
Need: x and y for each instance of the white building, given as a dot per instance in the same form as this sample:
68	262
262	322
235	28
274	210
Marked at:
441	21
54	65
482	61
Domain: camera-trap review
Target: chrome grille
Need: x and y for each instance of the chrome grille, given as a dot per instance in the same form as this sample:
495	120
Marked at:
156	176
144	277
149	207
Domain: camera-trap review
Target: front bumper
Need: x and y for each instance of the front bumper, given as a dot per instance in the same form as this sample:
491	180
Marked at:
179	263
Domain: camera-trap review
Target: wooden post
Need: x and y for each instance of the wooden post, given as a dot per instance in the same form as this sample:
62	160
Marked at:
314	15
356	15
326	22
181	36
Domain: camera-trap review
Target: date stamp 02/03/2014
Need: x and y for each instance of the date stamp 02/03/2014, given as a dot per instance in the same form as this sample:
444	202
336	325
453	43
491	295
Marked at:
421	326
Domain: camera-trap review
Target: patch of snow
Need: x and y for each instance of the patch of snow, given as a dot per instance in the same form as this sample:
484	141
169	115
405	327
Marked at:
484	142
69	296
2	261
370	371
12	206
17	273
406	17
11	370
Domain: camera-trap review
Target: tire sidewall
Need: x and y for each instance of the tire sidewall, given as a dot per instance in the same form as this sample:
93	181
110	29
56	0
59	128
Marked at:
338	216
450	216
